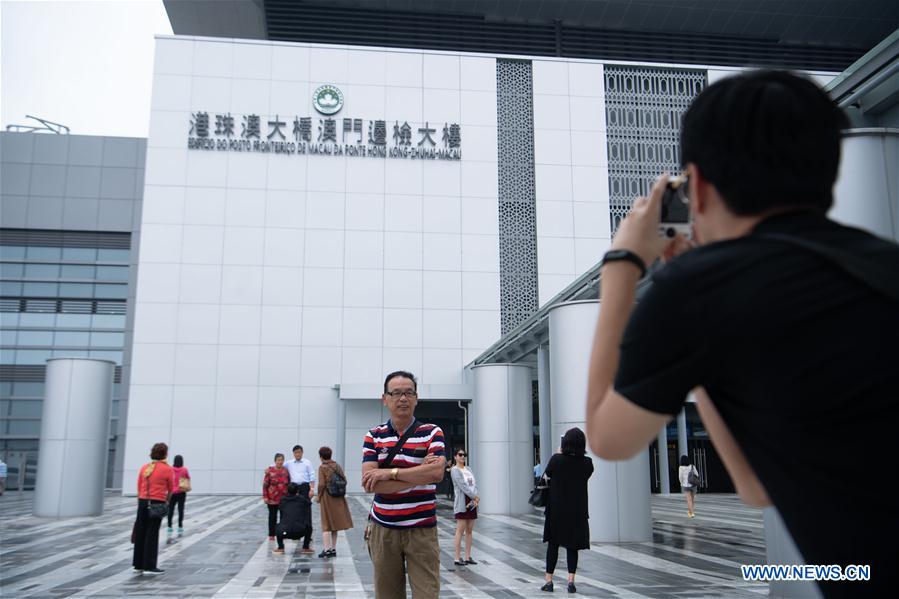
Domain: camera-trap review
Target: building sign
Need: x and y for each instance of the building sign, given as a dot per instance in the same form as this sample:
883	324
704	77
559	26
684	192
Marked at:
327	99
326	136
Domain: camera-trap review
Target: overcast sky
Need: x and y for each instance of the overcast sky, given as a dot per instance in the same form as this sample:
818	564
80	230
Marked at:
87	65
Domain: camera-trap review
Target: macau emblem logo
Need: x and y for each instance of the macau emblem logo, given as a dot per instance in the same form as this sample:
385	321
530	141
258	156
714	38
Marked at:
327	99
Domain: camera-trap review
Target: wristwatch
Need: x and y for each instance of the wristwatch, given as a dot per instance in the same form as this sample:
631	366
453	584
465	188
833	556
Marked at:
393	473
627	256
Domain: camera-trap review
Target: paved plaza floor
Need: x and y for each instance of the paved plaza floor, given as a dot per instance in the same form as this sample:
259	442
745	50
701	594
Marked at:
224	552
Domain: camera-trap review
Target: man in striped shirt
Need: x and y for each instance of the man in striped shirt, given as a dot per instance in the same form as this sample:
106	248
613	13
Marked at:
404	512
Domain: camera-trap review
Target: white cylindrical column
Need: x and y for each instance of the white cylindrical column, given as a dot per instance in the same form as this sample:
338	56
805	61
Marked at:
682	447
664	483
502	422
74	442
618	492
543	403
866	194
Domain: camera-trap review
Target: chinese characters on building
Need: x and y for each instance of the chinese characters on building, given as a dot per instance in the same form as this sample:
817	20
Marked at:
325	136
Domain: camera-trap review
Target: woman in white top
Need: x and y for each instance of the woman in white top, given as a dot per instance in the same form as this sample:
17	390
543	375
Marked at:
465	507
683	474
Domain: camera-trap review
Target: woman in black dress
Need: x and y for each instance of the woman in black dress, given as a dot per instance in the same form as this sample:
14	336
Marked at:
566	512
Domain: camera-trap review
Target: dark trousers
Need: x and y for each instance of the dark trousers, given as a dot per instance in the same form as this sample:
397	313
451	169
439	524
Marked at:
303	491
272	519
552	556
177	499
146	537
294	535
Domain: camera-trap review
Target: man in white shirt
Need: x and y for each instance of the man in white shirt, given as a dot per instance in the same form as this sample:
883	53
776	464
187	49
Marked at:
302	473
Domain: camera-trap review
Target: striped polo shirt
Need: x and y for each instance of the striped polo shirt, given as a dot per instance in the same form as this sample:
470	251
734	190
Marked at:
415	507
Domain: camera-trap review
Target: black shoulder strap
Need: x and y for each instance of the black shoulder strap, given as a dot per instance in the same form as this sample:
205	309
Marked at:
885	283
399	444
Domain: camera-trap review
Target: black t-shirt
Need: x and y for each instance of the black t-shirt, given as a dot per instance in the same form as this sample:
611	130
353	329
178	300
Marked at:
802	362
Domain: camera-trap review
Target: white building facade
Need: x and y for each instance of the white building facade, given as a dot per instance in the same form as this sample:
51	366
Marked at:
315	217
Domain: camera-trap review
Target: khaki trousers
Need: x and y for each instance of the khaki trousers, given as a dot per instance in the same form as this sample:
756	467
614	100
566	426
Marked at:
395	552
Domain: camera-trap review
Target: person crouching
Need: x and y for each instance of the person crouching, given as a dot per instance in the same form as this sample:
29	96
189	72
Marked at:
294	522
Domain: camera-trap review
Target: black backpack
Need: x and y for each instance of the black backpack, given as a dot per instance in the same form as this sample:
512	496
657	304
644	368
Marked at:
337	484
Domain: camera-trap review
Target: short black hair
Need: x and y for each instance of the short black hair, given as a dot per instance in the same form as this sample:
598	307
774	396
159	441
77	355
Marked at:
400	373
574	442
684	461
292	488
178	461
278	455
296	447
766	140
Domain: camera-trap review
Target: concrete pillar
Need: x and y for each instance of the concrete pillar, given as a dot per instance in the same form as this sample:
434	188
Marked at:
501	418
682	447
780	549
340	441
662	441
618	492
866	193
547	445
74	437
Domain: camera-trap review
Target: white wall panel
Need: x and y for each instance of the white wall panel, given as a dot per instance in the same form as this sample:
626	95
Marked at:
441	71
245	208
238	365
210	94
363	287
241	284
195	364
478	73
279	407
281	325
203	206
192	405
216	57
290	63
322	287
328	65
404	69
362	327
281	285
279	366
236	406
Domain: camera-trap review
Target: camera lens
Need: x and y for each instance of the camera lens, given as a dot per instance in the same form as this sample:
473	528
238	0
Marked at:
670	232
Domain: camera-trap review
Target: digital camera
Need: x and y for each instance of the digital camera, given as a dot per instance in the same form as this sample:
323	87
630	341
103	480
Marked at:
675	217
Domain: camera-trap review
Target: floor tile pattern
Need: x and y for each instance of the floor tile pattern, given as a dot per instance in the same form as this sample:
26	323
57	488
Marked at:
224	553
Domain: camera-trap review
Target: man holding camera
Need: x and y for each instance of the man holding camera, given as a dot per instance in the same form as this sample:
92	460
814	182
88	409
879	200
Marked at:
782	323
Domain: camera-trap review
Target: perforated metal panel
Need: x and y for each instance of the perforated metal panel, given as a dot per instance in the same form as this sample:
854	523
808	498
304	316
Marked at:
644	107
517	196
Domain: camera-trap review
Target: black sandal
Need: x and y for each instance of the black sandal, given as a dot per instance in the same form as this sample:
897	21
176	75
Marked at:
459	562
470	562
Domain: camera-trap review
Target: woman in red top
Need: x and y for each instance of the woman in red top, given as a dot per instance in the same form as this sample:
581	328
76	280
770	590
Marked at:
274	487
179	492
154	486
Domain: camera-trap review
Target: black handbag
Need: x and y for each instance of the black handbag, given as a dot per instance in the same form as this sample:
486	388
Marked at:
540	495
693	478
157	511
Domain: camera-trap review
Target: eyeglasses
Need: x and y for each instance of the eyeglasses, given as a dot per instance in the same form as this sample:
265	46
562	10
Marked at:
399	394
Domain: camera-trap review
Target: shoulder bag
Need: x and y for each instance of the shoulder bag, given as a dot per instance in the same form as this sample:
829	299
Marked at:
336	483
540	495
391	453
157	511
693	478
183	484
